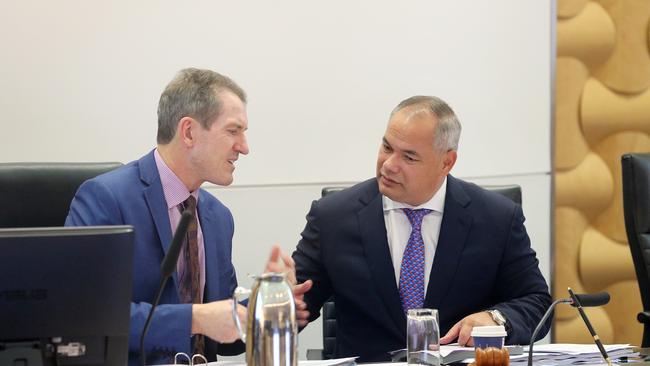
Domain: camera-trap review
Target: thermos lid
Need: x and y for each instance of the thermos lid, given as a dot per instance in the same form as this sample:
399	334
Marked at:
272	276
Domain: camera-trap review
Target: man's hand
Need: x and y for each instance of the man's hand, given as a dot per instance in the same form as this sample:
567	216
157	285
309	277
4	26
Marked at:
215	320
463	329
302	314
288	267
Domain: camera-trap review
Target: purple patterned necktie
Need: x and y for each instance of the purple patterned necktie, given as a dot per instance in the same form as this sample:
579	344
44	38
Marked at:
411	278
189	290
190	279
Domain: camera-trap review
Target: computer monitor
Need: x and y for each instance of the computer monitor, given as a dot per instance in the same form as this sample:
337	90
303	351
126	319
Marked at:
65	295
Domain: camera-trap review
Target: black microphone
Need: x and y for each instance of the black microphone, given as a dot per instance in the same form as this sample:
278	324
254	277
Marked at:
598	299
167	267
588	300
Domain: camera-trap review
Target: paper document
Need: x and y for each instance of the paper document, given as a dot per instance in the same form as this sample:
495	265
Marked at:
576	349
332	362
451	353
563	354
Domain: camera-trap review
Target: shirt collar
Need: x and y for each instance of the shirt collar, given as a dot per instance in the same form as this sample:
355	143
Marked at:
436	203
174	189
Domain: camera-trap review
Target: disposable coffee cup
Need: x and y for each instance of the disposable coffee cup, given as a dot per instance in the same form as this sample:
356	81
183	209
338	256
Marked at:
489	336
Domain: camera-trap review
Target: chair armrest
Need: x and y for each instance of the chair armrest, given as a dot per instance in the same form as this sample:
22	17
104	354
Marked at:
314	354
643	317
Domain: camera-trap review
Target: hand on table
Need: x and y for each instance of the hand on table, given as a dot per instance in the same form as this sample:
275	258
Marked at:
463	329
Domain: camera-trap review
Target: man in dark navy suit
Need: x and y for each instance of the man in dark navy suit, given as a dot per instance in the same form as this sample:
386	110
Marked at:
202	123
416	237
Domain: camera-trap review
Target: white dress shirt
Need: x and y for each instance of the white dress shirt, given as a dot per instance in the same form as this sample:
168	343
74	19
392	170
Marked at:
398	229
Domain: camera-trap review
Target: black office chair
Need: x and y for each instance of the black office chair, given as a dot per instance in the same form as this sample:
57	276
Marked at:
329	309
39	194
636	208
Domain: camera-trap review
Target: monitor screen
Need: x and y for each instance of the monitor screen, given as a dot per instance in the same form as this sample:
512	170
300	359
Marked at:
65	295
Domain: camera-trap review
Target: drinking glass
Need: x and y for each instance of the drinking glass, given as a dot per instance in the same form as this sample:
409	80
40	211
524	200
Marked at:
422	337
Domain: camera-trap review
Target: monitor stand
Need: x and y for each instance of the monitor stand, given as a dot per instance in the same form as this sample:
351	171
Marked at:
26	353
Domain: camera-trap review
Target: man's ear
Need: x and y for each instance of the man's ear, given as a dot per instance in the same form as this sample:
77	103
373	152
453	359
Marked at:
186	132
449	160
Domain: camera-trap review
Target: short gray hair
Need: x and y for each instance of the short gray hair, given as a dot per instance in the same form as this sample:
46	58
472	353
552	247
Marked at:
447	132
192	93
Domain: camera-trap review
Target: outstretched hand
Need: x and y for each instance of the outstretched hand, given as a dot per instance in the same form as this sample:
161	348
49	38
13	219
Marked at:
286	266
280	262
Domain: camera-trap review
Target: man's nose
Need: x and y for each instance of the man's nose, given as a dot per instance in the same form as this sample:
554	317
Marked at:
390	164
242	146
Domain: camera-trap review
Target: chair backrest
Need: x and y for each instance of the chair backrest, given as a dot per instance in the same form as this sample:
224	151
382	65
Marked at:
511	191
39	194
636	209
329	309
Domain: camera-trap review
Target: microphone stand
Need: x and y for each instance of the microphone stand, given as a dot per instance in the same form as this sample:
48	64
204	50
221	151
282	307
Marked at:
540	324
147	323
578	301
167	268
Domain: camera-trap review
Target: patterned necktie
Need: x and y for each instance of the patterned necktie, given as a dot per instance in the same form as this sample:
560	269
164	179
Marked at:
411	278
190	280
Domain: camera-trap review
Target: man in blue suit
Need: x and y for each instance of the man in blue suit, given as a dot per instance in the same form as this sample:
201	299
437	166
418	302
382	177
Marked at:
202	122
416	237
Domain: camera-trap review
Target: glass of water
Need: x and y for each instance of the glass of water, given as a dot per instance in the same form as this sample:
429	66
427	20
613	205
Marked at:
422	337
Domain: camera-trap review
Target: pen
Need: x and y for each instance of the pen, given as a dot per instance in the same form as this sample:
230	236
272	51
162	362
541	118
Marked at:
591	329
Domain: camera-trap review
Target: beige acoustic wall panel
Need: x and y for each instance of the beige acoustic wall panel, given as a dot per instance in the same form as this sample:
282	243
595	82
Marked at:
602	111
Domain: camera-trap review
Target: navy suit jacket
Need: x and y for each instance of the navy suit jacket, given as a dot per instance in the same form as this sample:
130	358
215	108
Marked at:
133	195
483	260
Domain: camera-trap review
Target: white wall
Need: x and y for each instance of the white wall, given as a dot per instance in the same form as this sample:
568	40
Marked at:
80	80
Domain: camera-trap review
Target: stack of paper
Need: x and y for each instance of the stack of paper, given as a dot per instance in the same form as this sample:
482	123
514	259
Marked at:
333	362
452	353
573	354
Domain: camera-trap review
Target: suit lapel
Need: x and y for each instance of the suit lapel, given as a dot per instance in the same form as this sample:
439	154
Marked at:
209	245
155	199
373	232
456	223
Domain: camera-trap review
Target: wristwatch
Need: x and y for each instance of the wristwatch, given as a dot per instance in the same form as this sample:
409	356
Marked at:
497	316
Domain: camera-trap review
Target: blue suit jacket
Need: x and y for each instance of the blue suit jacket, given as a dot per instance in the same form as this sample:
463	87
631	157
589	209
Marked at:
133	195
483	260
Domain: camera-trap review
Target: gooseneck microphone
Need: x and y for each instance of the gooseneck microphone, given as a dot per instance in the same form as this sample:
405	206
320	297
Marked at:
167	268
589	300
591	329
584	300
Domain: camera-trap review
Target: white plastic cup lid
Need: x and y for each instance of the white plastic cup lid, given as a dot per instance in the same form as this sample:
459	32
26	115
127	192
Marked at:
489	331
